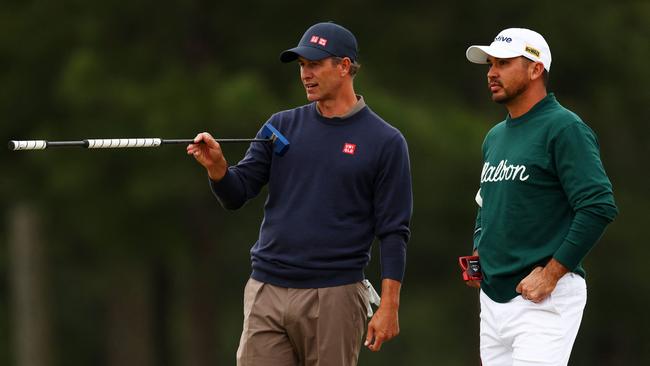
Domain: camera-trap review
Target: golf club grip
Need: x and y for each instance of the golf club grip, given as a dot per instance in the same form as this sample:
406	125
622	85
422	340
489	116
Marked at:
27	145
89	143
122	143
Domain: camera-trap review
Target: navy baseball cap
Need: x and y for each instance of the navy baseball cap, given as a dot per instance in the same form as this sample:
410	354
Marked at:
323	40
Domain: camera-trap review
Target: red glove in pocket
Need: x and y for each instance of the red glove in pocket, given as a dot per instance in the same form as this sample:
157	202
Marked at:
471	268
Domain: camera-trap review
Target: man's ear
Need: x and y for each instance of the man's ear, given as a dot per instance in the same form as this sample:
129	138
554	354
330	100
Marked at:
345	66
536	71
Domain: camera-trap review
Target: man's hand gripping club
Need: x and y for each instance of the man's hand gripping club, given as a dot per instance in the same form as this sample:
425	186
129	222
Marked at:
207	151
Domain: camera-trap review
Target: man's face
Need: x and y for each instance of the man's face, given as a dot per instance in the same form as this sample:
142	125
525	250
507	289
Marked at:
508	78
322	79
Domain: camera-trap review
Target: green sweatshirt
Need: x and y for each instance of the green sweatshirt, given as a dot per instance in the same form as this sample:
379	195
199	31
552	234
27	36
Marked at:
544	193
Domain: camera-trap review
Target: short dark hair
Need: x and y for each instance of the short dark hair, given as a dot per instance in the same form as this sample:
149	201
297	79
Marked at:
545	77
354	65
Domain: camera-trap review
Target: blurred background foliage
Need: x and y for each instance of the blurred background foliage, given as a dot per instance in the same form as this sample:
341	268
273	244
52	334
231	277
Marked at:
123	257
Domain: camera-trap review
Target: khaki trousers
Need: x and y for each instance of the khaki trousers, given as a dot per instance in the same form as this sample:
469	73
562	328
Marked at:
306	327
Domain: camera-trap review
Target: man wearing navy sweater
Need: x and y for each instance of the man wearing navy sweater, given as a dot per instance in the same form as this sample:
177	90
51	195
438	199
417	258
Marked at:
344	182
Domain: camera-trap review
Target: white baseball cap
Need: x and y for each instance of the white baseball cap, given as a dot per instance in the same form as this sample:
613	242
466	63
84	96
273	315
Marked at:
513	42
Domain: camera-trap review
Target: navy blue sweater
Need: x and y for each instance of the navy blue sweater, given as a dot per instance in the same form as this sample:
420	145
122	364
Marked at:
343	182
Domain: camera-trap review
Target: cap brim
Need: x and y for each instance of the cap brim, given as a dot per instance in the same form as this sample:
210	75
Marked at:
310	53
479	54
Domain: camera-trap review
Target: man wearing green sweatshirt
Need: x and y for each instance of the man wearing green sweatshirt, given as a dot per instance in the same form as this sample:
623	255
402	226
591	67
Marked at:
544	201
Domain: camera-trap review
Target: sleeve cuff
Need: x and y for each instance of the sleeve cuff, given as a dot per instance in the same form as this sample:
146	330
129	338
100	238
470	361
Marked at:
228	191
393	258
586	230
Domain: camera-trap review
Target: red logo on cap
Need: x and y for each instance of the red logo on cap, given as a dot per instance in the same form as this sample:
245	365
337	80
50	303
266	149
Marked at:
318	40
349	148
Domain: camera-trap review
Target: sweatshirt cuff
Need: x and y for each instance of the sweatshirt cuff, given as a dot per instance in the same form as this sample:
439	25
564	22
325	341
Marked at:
393	257
585	231
225	185
476	239
228	191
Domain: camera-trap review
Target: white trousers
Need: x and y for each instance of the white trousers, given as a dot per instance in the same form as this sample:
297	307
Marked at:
523	333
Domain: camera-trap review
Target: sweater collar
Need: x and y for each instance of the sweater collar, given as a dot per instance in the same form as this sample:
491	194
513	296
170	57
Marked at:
355	108
539	106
